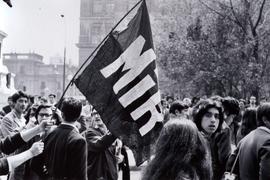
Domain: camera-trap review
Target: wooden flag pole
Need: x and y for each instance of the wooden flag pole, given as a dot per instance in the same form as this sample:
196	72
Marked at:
73	78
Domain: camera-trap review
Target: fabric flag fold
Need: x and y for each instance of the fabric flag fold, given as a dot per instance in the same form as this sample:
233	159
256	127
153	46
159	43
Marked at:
121	83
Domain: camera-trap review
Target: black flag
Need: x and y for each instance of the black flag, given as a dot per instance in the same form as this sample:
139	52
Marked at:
121	83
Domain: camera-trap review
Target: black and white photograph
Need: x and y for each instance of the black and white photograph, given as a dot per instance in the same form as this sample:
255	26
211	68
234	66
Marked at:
134	90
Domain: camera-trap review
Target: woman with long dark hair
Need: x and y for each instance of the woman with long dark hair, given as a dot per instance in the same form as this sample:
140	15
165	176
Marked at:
248	123
180	154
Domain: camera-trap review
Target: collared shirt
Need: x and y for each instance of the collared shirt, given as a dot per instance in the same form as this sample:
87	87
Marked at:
72	125
11	124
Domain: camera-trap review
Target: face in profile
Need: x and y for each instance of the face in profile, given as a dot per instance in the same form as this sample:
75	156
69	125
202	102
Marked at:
210	120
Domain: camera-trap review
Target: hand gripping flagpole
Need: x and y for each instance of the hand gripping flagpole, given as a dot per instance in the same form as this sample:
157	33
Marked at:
73	78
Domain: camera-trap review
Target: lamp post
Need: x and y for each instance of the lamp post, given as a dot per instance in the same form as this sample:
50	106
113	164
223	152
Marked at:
64	63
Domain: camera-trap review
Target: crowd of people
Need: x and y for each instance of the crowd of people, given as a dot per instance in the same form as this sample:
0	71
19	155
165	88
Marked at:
49	140
212	138
202	139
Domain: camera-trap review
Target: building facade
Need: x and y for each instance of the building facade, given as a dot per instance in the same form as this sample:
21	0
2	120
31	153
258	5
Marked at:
97	18
35	77
6	78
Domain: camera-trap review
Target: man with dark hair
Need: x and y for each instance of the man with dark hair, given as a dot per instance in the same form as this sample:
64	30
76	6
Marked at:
254	149
14	122
65	151
178	109
231	110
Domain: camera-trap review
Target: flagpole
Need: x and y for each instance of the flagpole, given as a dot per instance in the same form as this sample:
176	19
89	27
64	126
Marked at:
104	39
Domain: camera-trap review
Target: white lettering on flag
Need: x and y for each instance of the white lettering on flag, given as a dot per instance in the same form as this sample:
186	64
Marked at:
135	63
137	91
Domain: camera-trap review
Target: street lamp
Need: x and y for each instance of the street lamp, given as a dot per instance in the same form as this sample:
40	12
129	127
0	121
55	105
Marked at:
64	65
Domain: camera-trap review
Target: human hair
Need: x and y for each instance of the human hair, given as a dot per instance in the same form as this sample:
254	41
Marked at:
18	95
230	105
248	121
43	106
177	106
169	97
52	95
31	109
9	98
263	111
44	99
194	100
202	108
32	99
180	149
71	109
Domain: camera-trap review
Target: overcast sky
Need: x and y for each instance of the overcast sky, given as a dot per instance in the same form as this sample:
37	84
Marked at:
37	25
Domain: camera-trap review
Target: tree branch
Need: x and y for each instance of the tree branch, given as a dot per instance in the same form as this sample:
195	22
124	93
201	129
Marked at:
235	16
219	13
260	15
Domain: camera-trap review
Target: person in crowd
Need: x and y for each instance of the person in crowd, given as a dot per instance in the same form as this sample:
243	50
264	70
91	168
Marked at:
252	102
254	150
242	106
81	123
42	113
194	101
165	110
208	117
170	100
19	139
248	123
263	100
31	101
187	101
65	150
181	153
8	107
231	111
31	113
178	109
103	158
86	109
15	122
43	100
52	99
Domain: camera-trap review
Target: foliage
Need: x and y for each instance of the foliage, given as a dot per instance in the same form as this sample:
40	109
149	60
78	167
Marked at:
214	47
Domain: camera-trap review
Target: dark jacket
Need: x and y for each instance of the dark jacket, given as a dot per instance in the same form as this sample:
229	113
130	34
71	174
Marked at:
7	146
6	109
101	156
254	157
220	149
64	156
